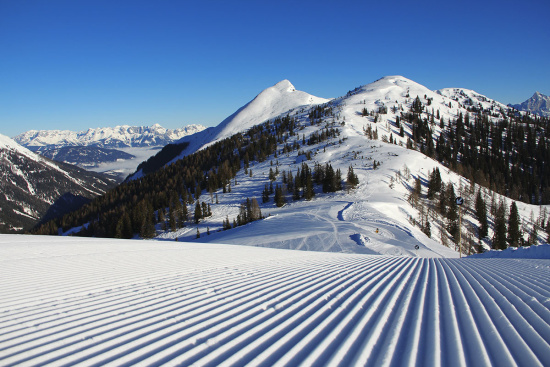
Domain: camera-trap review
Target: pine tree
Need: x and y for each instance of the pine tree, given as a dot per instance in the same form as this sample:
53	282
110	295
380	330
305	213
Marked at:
124	227
265	194
172	218
198	212
197	192
434	183
329	181
204	209
427	229
481	215
533	236
147	229
279	197
308	183
499	237
452	213
514	226
226	224
352	179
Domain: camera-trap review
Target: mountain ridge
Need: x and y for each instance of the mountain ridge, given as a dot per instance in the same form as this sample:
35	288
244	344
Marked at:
269	103
34	188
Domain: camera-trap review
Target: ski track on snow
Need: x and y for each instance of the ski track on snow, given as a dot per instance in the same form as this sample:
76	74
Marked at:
150	303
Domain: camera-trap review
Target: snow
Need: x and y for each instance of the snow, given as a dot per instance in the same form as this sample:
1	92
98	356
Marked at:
10	144
118	136
530	252
81	301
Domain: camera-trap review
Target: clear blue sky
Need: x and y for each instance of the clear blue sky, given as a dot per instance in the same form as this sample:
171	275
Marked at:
77	64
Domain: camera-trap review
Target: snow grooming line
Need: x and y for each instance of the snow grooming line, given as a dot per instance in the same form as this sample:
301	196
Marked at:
72	301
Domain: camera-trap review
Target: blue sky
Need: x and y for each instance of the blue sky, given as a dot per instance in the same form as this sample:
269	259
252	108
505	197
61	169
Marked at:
82	64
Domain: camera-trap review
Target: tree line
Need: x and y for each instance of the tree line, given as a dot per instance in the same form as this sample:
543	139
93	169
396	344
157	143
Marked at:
510	157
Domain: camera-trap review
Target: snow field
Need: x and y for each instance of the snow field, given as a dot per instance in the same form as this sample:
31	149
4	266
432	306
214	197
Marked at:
77	301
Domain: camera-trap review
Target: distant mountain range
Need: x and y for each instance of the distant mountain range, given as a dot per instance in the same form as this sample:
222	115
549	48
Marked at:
106	137
113	150
35	189
538	104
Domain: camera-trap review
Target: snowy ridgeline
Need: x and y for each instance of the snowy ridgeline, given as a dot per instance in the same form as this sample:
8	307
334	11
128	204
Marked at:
531	252
83	301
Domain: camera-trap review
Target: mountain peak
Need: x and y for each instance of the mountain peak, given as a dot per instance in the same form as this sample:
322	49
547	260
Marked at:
271	102
285	85
538	104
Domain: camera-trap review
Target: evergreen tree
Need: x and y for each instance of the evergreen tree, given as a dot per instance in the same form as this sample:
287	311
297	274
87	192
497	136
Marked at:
184	214
514	222
434	183
533	236
197	192
198	213
226	224
352	179
279	197
481	215
265	194
499	237
124	227
204	209
172	218
329	181
296	191
308	183
452	213
427	229
338	180
147	229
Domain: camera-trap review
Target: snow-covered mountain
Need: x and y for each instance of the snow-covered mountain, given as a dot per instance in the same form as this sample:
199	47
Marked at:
34	188
372	136
280	99
124	136
538	104
116	151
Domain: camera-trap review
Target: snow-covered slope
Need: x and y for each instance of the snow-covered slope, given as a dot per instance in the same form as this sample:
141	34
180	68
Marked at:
31	185
280	99
528	252
106	137
85	302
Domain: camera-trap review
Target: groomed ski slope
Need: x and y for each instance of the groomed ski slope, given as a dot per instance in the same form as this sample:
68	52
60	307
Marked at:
76	301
